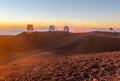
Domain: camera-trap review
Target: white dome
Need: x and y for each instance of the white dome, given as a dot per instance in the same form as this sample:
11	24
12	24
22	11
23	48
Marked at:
66	28
51	28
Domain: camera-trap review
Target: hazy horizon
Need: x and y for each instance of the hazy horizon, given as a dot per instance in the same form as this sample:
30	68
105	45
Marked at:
17	30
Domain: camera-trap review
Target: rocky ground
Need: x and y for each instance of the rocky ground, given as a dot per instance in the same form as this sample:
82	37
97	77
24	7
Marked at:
90	67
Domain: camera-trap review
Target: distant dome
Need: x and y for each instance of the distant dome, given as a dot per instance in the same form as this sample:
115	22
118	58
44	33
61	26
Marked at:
66	28
51	28
111	29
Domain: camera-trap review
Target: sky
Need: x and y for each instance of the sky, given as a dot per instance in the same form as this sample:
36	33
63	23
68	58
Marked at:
75	13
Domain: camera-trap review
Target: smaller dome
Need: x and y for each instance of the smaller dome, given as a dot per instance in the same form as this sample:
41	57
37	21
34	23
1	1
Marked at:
51	28
66	28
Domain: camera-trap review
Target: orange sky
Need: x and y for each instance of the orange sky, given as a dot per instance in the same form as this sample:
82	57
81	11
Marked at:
75	13
60	24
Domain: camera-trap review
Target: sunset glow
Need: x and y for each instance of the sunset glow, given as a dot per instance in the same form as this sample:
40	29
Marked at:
77	13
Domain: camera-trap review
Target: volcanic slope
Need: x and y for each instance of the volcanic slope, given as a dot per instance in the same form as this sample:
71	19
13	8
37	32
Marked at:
60	42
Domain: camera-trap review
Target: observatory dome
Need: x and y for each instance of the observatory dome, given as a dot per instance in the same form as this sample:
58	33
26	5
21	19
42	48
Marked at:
29	28
66	28
51	28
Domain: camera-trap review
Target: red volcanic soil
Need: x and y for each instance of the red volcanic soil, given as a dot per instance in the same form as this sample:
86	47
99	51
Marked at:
53	67
113	34
59	56
37	40
61	42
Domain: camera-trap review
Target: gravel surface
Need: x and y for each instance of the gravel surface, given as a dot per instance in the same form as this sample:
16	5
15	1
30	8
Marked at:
90	67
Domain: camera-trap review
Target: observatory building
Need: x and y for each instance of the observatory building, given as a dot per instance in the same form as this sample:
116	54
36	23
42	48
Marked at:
51	28
30	28
111	29
66	29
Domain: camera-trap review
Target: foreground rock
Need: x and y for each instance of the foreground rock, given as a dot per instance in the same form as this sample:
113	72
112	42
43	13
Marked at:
92	67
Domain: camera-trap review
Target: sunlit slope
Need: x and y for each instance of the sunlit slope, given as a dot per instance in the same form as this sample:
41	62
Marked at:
60	42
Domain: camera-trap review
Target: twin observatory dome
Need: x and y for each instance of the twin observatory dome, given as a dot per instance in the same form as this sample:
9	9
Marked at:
30	28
